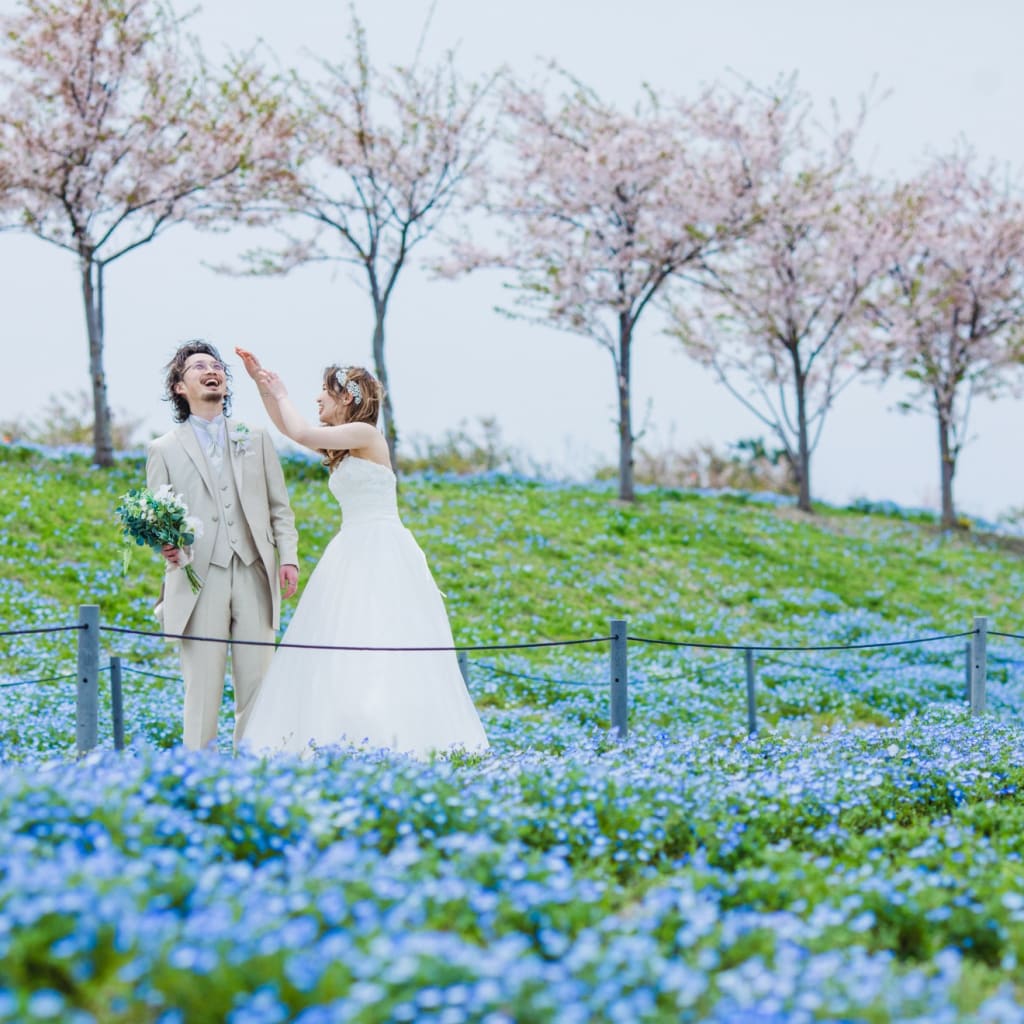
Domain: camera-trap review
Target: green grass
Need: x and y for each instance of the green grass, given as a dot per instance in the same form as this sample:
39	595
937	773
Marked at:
522	560
871	814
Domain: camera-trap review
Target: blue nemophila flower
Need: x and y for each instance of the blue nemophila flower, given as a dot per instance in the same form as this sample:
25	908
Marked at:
858	858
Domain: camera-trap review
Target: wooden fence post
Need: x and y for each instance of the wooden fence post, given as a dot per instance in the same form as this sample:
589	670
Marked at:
116	703
87	697
748	659
979	643
464	666
619	678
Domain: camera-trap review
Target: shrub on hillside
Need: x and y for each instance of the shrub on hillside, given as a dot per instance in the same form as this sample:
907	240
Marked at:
67	418
464	451
745	465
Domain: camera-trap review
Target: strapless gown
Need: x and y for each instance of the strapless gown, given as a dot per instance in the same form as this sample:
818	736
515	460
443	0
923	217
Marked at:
371	588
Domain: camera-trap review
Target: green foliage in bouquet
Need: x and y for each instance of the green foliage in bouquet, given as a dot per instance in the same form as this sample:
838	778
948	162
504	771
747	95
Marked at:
155	518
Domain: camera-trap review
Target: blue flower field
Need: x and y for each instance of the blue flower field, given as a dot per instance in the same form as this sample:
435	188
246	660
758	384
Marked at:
858	858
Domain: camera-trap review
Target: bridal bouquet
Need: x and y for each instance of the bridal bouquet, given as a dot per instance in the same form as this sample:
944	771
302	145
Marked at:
154	518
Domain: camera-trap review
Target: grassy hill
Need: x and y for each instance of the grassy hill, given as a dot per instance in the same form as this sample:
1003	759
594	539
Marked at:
860	858
528	560
522	561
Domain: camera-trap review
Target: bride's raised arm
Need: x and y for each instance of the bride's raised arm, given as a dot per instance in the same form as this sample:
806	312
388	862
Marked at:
291	423
254	368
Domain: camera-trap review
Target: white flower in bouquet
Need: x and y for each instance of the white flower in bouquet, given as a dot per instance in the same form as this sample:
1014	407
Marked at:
155	518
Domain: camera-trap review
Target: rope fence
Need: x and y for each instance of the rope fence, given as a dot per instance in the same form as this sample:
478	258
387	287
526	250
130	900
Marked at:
335	647
136	671
794	647
40	629
88	664
494	670
33	682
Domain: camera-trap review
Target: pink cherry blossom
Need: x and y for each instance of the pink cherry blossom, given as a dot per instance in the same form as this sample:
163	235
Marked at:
599	207
112	129
781	315
954	305
380	159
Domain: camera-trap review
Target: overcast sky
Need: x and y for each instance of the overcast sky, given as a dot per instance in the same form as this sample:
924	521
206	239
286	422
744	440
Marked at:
952	70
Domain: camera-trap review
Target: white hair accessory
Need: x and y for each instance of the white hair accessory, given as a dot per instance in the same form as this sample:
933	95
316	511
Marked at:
351	386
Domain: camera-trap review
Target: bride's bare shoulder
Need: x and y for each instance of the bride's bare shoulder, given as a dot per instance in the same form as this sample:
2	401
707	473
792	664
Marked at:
374	448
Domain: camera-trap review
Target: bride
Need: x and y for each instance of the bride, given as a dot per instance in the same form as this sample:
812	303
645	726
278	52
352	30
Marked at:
371	588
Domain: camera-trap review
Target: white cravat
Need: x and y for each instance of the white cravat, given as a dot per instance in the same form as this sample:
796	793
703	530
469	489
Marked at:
211	437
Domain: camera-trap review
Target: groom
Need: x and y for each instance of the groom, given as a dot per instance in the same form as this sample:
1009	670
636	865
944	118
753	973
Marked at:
231	480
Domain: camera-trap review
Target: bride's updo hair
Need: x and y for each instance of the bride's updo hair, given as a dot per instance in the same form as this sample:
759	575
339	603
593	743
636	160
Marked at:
367	397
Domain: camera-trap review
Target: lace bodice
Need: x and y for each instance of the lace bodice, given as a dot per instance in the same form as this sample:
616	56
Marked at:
365	490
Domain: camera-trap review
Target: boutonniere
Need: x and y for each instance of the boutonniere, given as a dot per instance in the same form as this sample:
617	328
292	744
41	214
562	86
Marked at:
241	437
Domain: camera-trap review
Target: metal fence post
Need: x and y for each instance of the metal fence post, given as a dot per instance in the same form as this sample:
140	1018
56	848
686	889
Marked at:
464	666
968	661
748	659
619	677
979	643
87	697
116	703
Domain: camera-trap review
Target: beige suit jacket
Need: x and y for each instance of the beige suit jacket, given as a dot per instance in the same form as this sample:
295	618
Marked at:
177	459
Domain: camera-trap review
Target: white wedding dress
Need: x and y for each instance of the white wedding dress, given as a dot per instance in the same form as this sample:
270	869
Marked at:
371	588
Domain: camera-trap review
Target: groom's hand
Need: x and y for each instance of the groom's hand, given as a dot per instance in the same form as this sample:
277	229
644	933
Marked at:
172	554
289	580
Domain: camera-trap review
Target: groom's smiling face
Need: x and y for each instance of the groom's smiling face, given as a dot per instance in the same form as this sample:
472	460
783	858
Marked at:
203	384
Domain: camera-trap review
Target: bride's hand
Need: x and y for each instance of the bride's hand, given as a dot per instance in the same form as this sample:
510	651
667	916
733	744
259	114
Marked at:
270	384
249	361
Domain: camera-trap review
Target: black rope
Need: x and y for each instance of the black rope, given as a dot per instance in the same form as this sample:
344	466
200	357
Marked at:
807	666
1009	636
537	679
152	675
706	645
32	682
47	679
821	647
329	647
43	629
692	677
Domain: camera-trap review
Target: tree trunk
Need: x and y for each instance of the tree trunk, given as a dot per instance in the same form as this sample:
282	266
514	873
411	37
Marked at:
626	489
803	452
380	369
947	464
92	294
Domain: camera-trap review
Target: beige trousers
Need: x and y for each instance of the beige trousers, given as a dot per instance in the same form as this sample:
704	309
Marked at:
234	604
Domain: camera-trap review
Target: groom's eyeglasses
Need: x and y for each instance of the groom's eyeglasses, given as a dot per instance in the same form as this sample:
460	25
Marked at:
203	367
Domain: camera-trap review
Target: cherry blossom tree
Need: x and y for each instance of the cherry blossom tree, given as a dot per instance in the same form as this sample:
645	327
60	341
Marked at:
781	316
954	306
600	207
380	159
112	129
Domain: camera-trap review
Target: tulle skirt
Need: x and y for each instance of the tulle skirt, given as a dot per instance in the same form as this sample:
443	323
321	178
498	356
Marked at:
371	588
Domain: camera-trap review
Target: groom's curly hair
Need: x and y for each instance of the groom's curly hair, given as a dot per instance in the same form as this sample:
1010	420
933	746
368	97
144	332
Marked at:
175	373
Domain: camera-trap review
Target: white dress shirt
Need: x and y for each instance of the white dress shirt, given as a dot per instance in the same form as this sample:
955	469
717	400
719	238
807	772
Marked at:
210	434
